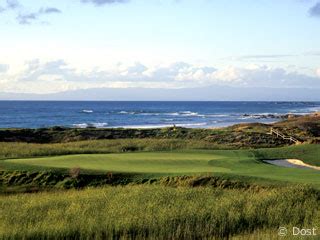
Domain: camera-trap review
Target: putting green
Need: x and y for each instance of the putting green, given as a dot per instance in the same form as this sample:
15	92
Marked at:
155	162
236	162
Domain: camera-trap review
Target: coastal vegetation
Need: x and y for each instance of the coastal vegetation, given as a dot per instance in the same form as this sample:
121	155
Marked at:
158	212
172	183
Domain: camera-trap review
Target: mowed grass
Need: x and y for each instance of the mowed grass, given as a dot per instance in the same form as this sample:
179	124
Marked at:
157	212
227	162
143	162
21	149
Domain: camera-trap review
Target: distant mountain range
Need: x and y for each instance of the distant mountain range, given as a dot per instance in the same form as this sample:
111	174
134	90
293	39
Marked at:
212	93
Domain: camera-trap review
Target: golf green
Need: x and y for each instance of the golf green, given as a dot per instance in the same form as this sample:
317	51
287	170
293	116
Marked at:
234	162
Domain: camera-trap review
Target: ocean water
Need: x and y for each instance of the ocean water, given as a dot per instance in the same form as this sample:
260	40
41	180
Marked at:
39	114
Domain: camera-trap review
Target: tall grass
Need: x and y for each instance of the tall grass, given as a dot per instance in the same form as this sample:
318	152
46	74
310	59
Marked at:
155	212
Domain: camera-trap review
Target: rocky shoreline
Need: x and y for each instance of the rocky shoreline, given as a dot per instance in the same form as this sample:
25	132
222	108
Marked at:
271	116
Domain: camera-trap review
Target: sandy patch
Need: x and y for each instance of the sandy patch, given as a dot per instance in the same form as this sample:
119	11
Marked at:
292	163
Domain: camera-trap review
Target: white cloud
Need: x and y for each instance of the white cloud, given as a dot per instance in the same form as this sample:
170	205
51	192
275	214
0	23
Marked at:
230	74
54	76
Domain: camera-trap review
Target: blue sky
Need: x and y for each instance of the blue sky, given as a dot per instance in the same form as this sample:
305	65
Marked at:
51	46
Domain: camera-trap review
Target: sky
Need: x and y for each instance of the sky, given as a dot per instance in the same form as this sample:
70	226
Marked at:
49	46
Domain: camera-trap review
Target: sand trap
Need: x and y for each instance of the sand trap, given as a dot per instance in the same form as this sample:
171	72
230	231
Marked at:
292	163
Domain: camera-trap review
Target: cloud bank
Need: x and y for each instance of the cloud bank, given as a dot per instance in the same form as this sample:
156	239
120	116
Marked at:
55	76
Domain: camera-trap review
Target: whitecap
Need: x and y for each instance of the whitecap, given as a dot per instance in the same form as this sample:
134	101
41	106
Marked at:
173	114
125	112
217	115
100	125
148	126
80	125
87	125
191	124
87	111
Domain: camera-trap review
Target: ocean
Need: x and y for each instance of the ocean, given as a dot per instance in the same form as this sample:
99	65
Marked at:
82	114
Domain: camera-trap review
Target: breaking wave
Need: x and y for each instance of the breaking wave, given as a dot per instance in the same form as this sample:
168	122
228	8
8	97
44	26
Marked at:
89	125
87	111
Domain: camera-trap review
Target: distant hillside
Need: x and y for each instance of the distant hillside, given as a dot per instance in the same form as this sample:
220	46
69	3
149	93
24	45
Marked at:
212	93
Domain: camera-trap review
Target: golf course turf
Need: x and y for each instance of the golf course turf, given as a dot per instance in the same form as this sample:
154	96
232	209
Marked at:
179	162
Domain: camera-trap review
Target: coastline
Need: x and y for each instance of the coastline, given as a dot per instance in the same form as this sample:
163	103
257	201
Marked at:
238	135
141	115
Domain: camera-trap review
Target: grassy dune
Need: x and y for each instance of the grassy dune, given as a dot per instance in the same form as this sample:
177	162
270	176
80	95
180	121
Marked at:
156	212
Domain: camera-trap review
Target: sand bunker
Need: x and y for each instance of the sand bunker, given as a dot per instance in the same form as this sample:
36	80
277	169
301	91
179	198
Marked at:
292	163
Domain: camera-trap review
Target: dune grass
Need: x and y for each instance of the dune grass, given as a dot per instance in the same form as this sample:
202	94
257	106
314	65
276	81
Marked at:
155	212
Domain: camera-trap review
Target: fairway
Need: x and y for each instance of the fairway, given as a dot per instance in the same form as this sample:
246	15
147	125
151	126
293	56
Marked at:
234	162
